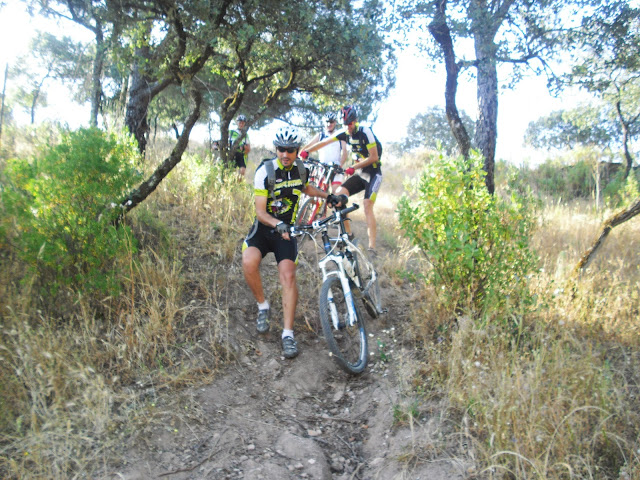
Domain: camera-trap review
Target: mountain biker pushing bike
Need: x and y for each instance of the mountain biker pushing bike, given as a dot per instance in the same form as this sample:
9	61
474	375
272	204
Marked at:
334	153
243	147
275	212
367	151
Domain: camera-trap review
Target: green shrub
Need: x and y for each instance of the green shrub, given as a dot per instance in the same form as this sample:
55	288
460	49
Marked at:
59	209
622	191
477	244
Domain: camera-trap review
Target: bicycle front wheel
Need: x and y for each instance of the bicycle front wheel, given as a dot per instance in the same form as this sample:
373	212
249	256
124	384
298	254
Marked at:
348	343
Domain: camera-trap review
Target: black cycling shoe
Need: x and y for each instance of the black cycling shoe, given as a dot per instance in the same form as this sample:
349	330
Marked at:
289	347
262	322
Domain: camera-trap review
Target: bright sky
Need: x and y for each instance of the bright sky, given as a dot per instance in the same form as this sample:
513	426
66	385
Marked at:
417	89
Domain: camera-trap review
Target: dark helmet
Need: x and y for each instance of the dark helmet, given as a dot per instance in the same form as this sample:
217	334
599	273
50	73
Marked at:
349	114
330	117
241	118
288	136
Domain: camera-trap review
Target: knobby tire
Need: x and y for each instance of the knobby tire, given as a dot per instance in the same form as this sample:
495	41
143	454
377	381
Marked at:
371	297
348	344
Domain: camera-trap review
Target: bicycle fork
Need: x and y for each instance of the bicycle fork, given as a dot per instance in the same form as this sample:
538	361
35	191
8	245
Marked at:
337	260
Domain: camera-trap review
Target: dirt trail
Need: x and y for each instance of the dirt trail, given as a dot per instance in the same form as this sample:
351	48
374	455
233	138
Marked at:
266	417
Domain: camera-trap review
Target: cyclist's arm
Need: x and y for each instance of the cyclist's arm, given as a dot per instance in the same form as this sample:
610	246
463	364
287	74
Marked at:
319	145
311	142
343	153
372	158
313	191
262	214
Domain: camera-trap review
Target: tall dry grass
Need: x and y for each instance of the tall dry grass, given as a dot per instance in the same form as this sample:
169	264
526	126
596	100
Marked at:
74	386
549	392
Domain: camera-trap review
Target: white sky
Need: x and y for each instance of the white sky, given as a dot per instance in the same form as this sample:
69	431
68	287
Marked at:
417	88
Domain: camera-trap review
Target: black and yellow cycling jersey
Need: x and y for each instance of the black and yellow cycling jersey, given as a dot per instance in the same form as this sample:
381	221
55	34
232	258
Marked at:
360	142
286	193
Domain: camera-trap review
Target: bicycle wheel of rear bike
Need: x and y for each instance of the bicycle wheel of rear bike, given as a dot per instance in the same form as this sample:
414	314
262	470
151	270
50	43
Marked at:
348	344
307	212
371	297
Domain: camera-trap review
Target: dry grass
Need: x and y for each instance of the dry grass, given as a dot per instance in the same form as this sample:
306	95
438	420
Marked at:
552	393
71	389
549	393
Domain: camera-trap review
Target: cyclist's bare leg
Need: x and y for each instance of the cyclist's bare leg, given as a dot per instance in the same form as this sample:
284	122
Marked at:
343	191
251	259
241	172
371	221
287	271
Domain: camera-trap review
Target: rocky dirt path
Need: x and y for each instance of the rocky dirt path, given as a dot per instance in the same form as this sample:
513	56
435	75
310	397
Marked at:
266	417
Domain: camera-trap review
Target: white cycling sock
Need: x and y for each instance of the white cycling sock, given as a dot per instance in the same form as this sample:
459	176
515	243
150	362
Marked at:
263	306
287	333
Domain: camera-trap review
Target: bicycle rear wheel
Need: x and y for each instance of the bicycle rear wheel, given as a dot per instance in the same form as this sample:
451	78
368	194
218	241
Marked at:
348	343
371	297
307	212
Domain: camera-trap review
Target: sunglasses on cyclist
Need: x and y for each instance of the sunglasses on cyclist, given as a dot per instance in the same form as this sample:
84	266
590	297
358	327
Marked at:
287	149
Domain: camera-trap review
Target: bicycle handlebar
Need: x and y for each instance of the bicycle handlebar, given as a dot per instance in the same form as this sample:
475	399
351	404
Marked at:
312	162
319	224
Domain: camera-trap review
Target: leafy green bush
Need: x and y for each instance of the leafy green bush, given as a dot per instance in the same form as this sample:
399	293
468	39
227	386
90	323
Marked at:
60	206
477	244
622	191
566	181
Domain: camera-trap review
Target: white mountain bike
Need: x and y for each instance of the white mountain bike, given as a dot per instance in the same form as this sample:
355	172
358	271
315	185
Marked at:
348	277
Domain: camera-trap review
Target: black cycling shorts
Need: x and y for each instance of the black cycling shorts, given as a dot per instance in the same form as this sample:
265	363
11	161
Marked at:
355	184
238	159
266	239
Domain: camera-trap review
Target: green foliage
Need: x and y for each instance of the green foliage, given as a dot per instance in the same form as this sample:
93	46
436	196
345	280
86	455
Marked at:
566	181
621	191
431	129
586	125
59	210
477	244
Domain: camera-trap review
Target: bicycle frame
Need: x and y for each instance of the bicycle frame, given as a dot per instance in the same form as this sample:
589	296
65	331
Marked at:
336	256
321	175
345	271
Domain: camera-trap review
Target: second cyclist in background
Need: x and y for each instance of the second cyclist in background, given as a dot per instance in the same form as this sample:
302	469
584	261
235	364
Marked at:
366	173
334	153
241	152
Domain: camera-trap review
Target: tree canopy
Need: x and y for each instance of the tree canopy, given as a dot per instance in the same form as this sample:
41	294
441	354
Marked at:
476	36
606	63
431	129
585	125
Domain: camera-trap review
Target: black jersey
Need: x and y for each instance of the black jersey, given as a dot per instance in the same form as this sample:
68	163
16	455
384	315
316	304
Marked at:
361	140
288	187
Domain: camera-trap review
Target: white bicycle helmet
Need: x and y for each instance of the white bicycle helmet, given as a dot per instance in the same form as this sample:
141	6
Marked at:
241	118
330	117
288	136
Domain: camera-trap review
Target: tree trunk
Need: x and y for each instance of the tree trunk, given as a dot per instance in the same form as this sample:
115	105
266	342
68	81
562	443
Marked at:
143	191
139	100
4	90
442	34
96	76
625	141
487	94
620	217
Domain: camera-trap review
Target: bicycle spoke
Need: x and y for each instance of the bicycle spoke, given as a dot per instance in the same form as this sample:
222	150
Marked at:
347	342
